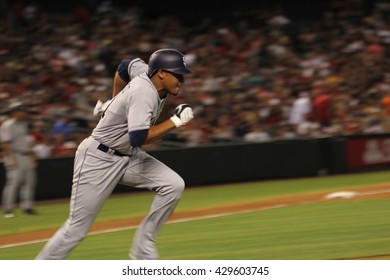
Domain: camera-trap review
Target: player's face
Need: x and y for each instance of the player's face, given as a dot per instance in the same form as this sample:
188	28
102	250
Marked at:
174	82
22	115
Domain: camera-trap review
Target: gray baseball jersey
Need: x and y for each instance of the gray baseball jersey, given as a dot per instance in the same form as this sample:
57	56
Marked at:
136	67
105	159
134	108
16	132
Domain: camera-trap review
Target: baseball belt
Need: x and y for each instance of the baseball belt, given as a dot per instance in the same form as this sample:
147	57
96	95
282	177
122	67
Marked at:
105	149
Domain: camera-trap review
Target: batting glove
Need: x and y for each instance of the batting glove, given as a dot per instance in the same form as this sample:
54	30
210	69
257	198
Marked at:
100	107
183	114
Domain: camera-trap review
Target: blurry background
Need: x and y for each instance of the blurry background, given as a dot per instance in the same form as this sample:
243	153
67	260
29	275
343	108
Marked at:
308	80
280	89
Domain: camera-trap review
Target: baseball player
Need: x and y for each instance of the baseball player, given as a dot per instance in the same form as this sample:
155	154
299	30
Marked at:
113	155
127	70
19	161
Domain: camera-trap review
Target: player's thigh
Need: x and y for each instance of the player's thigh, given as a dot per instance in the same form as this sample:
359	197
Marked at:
145	171
95	176
14	176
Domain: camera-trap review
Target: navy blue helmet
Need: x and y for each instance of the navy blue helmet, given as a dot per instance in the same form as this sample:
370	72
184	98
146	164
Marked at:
169	60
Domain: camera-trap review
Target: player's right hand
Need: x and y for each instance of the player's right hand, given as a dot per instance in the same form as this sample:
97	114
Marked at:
100	107
183	114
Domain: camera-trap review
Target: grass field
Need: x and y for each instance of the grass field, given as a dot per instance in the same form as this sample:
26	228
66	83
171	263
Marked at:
335	229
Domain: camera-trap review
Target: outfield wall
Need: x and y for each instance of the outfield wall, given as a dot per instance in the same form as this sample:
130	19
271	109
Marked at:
243	162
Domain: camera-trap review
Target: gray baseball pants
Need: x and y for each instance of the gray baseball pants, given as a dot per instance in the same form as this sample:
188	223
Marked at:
96	174
22	179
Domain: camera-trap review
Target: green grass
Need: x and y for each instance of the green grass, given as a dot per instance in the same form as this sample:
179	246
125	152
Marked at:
320	231
137	204
331	230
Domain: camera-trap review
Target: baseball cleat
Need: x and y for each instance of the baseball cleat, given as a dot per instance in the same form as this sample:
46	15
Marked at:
9	214
30	212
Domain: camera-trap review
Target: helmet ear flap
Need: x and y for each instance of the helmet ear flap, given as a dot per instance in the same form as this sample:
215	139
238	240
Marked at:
151	72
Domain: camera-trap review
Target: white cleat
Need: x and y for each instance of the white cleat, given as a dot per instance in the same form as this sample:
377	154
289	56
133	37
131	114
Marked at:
9	214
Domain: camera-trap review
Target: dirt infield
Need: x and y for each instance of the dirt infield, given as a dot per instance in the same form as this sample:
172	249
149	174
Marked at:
379	191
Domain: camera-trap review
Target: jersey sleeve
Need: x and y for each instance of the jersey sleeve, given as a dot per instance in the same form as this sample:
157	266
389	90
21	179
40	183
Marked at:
123	70
140	111
128	69
136	67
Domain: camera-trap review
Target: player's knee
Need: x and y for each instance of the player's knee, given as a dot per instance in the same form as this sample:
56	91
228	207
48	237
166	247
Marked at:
173	188
78	227
178	186
79	234
82	235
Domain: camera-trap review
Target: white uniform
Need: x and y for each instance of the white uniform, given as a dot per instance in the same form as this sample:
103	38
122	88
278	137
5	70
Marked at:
21	176
106	159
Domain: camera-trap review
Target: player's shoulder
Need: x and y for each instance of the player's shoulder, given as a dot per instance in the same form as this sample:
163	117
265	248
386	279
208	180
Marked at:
6	130
7	123
141	87
140	84
137	62
137	67
141	80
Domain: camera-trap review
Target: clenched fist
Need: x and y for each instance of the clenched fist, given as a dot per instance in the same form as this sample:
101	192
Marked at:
183	114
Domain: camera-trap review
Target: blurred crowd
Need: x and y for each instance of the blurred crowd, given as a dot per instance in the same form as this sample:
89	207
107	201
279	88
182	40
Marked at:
257	76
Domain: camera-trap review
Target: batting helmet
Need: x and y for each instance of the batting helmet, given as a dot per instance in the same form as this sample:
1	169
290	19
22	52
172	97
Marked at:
169	60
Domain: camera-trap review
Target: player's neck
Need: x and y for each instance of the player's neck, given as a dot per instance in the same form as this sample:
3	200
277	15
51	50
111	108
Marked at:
162	92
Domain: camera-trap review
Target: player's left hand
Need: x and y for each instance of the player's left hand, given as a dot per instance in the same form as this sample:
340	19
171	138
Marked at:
183	114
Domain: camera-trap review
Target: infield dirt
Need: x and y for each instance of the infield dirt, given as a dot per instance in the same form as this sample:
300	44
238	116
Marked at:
378	191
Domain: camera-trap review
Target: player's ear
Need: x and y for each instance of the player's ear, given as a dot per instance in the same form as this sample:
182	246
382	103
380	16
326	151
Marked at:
160	74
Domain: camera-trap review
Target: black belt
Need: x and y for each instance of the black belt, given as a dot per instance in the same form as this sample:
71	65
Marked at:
105	149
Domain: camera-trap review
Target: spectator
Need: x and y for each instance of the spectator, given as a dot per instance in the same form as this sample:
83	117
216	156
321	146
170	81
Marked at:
42	147
257	134
300	109
64	125
322	107
260	59
386	110
63	146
